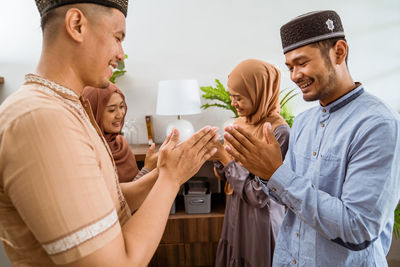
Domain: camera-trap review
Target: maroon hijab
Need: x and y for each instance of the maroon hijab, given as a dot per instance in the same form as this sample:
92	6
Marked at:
123	156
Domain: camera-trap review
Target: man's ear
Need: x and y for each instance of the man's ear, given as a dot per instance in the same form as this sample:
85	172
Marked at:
340	50
76	24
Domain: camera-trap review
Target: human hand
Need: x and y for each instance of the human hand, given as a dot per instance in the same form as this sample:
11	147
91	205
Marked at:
260	157
221	155
150	162
182	161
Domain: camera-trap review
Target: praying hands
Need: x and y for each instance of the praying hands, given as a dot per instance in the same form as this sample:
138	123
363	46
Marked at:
260	157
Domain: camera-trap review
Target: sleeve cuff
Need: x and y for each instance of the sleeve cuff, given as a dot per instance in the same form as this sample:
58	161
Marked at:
145	170
141	173
220	168
279	184
227	166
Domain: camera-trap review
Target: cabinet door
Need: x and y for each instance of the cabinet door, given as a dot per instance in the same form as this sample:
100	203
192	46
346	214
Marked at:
200	254
204	229
173	232
169	255
189	241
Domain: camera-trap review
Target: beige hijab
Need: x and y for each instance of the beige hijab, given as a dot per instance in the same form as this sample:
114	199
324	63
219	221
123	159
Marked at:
259	81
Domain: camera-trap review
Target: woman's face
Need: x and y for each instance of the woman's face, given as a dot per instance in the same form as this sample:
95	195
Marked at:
113	114
243	105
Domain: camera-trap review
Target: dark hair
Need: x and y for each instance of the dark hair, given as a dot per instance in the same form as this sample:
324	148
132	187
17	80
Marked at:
325	45
90	10
46	18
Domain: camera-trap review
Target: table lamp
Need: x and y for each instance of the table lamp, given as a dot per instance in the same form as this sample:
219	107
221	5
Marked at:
177	98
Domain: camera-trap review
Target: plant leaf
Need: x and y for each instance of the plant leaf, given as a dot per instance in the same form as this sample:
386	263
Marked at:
116	73
121	65
217	93
396	225
205	106
289	95
120	70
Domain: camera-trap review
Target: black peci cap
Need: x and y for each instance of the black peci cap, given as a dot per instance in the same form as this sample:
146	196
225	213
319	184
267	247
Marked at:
46	5
310	28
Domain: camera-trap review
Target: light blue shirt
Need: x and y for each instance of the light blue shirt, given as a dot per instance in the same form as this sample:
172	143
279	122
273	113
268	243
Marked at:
340	181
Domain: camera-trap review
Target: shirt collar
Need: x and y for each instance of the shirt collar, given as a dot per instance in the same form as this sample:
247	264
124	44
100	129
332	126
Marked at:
344	100
59	89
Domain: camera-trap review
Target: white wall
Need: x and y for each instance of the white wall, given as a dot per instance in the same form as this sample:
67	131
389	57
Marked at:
205	39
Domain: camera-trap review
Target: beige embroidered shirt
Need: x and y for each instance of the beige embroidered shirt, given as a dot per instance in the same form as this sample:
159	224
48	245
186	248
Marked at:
60	198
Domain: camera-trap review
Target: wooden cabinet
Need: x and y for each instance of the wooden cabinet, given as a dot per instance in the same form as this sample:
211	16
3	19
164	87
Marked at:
190	240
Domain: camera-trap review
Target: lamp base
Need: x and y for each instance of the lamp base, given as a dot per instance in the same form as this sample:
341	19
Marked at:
184	127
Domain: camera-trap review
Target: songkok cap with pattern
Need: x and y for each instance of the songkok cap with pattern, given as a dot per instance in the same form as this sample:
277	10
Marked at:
46	5
310	28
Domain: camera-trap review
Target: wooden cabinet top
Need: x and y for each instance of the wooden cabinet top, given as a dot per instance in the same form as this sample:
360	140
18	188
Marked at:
216	213
140	150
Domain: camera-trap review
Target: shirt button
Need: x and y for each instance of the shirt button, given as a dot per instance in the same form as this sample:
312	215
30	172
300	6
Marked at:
322	125
291	208
314	153
273	189
294	261
324	110
297	234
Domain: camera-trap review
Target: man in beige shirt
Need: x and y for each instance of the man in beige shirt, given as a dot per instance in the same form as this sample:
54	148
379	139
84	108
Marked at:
60	200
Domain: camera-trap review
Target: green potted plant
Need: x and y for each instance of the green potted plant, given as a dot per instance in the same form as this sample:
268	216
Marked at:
286	111
220	94
396	226
119	71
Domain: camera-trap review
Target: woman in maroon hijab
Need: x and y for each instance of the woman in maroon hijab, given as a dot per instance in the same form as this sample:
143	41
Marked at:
109	109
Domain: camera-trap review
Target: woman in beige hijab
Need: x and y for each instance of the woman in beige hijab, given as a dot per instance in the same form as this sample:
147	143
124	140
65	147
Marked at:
252	219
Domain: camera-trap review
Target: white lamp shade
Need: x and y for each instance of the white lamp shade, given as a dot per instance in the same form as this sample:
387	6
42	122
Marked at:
178	97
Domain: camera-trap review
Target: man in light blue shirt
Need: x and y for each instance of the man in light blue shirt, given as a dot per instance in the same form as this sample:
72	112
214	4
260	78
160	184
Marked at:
340	178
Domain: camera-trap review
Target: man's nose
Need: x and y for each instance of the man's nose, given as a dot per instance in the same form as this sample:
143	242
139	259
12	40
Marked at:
296	74
121	54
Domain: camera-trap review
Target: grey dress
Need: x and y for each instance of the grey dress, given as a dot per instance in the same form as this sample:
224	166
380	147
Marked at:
252	219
